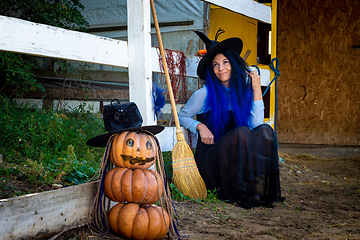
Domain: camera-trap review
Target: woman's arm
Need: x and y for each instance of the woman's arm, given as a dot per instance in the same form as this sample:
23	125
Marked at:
257	114
256	85
257	111
193	106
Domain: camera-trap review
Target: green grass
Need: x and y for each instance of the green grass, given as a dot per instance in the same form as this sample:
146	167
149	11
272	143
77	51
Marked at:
43	147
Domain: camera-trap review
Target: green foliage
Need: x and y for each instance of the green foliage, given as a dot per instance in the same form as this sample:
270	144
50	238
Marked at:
16	70
176	194
168	165
75	172
212	197
59	13
179	196
48	146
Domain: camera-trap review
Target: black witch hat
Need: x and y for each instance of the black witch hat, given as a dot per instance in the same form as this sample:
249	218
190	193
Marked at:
119	118
213	47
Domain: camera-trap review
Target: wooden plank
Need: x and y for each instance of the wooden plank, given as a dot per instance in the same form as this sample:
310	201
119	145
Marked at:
91	75
273	55
248	8
21	36
139	55
79	94
45	214
124	27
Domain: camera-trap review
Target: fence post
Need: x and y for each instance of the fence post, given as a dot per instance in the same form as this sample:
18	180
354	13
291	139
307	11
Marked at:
139	53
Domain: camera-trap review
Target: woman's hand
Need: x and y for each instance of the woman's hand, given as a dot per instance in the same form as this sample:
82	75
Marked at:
256	85
206	135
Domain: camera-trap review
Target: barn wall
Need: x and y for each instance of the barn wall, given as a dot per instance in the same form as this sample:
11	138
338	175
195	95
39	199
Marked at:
319	86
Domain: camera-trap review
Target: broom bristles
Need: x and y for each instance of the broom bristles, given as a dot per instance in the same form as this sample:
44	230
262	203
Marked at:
186	175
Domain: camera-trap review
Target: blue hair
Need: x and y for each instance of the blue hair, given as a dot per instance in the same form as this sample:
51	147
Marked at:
238	98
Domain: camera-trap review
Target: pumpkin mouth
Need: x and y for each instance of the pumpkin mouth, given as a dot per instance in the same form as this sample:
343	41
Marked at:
139	160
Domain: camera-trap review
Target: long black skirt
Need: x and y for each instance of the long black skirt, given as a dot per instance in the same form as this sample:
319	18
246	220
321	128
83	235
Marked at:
242	166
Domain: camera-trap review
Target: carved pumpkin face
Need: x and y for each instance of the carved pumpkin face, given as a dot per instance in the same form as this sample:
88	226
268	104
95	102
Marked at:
133	150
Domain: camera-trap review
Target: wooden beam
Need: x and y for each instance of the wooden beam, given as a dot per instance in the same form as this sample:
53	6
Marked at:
26	37
86	75
21	36
249	8
139	55
273	55
92	94
123	28
44	214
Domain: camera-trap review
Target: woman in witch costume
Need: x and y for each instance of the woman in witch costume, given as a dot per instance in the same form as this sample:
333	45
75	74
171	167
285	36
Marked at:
236	153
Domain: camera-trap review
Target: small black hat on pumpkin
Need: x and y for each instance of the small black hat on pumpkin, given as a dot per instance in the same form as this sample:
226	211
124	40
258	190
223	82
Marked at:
119	118
213	47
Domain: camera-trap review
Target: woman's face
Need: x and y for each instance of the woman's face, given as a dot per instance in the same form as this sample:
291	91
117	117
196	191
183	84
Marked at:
222	69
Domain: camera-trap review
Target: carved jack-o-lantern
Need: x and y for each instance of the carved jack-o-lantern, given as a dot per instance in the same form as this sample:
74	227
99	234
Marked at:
133	150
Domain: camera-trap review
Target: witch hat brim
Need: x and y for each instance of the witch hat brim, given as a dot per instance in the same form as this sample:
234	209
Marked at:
101	140
213	47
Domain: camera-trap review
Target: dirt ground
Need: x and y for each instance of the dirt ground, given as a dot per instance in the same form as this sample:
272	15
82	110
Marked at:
322	202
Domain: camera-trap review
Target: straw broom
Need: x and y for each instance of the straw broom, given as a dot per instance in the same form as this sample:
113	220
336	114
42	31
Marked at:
186	175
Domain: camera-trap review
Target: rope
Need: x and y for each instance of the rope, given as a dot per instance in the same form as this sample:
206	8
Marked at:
98	214
258	69
277	73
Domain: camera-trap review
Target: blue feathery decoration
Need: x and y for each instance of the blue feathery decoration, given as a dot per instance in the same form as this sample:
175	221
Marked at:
158	99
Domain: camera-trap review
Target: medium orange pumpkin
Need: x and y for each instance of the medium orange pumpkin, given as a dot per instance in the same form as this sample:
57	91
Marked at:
138	185
133	150
140	223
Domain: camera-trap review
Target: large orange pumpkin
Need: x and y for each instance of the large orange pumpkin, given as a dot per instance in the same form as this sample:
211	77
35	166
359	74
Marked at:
138	186
133	150
134	222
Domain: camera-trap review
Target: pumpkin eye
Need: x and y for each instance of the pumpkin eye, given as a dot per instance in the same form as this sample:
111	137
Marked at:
148	145
130	142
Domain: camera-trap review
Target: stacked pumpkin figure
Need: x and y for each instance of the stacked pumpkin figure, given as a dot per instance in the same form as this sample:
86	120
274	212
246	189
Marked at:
136	188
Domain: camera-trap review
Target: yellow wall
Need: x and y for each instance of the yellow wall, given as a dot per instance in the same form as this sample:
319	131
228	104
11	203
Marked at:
235	25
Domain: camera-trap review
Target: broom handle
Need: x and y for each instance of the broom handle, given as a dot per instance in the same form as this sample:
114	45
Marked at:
171	95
